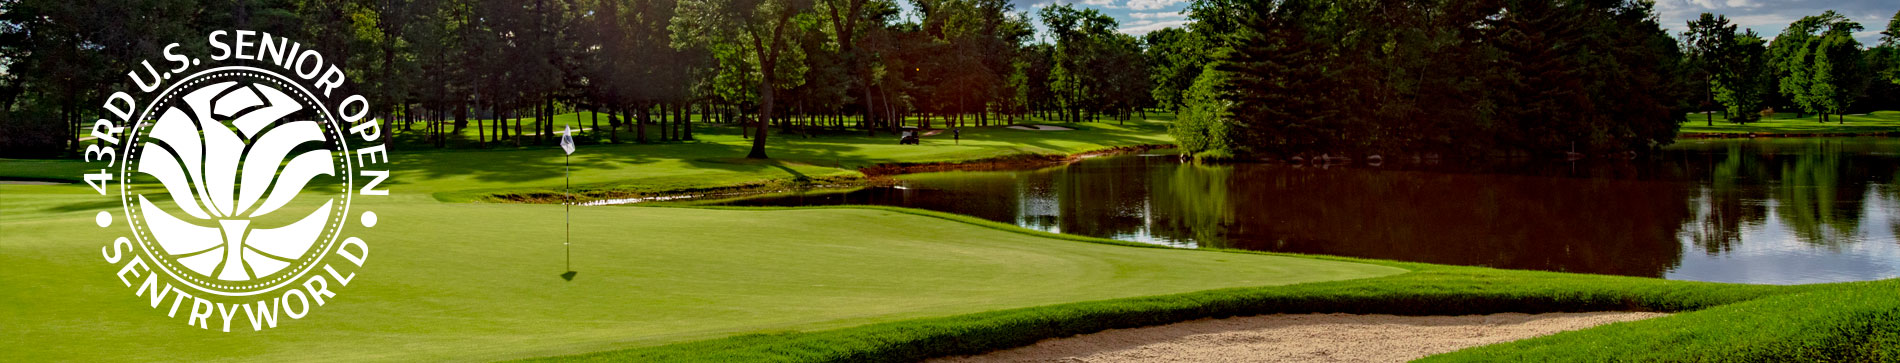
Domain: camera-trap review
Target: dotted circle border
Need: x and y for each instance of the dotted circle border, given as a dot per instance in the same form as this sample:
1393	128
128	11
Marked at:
333	227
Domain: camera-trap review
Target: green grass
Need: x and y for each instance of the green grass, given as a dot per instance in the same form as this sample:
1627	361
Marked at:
1857	322
715	160
1787	124
1719	322
479	281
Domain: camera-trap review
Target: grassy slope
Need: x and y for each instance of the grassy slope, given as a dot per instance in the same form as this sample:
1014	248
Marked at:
716	159
479	281
1786	123
1722	322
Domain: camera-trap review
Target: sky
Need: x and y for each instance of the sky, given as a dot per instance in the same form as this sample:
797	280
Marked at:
1766	17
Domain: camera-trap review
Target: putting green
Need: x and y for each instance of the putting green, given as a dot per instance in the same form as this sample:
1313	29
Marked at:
480	281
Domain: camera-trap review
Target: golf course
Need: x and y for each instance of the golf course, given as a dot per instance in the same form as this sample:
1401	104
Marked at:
949	181
457	275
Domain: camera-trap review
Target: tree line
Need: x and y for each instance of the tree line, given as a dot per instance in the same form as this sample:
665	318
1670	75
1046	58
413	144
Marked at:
1269	78
1815	66
1526	77
797	66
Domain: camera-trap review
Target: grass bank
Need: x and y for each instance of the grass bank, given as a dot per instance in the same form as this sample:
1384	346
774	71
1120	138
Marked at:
1720	322
1786	124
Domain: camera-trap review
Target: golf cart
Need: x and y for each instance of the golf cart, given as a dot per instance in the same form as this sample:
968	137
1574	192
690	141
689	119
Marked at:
910	136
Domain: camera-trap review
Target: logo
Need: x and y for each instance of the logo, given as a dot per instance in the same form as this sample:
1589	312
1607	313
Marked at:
237	178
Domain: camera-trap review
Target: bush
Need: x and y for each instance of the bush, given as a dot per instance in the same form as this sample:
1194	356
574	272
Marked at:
1205	122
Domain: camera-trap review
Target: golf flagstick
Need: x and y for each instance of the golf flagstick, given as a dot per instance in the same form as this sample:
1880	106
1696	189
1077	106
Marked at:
567	166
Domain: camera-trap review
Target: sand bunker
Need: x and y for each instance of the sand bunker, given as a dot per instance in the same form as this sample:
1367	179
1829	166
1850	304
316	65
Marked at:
1302	338
1040	128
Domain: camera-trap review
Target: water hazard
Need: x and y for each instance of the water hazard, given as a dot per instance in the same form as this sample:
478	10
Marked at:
1776	211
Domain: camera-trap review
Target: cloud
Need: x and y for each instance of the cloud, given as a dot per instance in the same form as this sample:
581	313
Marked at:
1151	4
1768	17
1157	15
1145	28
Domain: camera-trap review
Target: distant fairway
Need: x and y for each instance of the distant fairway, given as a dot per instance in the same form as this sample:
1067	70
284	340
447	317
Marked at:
479	281
716	157
1787	123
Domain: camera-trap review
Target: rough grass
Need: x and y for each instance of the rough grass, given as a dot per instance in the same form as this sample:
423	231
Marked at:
1881	122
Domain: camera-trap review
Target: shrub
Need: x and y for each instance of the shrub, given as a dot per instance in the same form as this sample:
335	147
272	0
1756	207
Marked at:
1205	122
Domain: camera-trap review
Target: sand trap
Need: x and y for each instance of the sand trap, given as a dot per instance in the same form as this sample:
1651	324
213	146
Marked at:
1040	128
1301	338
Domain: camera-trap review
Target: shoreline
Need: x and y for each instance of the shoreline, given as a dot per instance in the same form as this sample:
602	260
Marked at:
874	175
1007	162
1750	135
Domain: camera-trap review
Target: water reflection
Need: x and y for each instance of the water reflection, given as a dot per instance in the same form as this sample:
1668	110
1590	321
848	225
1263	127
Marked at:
1758	211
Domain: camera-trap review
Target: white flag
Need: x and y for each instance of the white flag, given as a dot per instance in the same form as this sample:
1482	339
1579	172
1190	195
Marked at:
567	139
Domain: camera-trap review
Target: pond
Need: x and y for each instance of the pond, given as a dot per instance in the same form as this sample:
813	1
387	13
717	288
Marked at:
1773	211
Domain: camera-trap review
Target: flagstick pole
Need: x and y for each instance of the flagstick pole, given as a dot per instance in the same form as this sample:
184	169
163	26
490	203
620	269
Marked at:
567	171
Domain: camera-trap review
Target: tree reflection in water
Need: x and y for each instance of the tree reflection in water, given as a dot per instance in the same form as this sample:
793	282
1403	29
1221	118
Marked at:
1700	210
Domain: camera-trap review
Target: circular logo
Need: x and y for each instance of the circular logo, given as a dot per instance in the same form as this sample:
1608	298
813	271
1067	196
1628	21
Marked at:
214	176
237	181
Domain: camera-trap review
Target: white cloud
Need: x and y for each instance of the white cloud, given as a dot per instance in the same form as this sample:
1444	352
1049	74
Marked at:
1103	3
1714	4
1158	15
1768	17
1151	4
1762	20
1145	28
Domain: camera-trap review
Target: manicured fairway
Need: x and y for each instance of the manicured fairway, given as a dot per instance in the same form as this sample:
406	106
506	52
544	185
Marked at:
716	159
1787	123
479	281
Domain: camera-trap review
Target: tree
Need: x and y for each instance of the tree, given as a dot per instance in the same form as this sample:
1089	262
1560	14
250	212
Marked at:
1285	79
1839	76
1883	62
846	16
1706	43
1742	83
1084	39
1818	63
1175	58
1345	76
761	29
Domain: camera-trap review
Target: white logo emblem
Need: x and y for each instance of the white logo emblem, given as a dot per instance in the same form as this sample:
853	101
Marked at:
237	182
